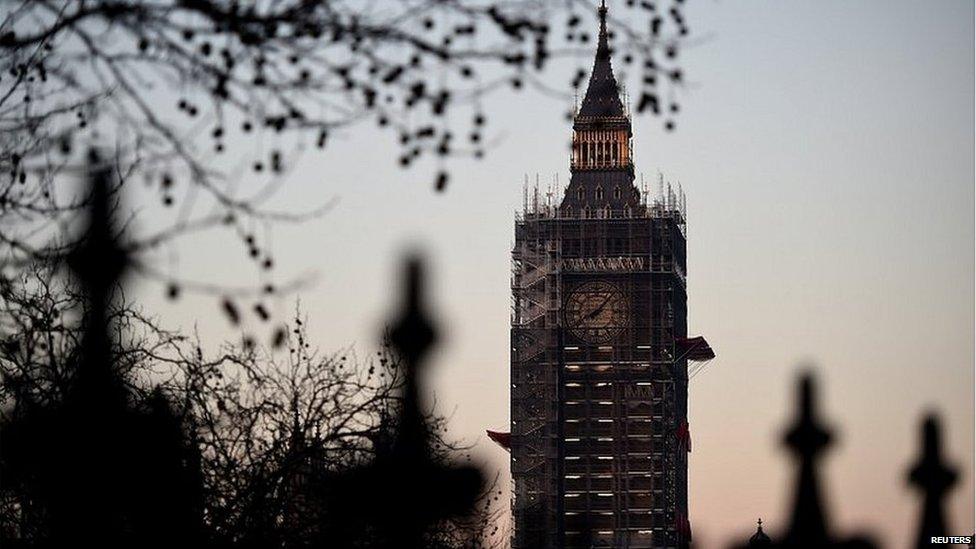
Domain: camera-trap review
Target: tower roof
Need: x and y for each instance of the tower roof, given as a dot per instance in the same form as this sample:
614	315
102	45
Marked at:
760	539
602	97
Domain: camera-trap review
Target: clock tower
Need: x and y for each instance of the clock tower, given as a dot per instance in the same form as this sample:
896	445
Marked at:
599	347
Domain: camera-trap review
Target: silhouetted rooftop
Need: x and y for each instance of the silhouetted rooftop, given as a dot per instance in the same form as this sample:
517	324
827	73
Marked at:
760	539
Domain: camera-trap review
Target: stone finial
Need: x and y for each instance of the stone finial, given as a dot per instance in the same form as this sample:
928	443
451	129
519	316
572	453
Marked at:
807	439
934	478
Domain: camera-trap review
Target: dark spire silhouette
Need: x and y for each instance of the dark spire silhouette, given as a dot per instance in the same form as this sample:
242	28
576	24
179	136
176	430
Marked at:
100	466
413	336
602	97
933	477
760	539
395	500
99	264
807	439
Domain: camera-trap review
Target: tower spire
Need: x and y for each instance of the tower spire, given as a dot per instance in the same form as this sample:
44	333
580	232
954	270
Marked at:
601	161
602	97
603	22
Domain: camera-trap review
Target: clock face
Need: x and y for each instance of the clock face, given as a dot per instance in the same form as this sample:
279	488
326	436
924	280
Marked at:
596	312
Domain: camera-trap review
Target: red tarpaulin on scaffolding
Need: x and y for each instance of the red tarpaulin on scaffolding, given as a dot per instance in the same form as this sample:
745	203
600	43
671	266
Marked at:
683	433
502	439
695	349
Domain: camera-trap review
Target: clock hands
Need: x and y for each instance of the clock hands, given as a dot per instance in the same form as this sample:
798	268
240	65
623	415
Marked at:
593	314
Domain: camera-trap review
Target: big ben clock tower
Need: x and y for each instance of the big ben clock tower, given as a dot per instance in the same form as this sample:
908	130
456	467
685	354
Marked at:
599	348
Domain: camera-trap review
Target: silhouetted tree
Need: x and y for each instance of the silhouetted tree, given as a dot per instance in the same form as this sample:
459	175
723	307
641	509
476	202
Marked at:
278	428
41	322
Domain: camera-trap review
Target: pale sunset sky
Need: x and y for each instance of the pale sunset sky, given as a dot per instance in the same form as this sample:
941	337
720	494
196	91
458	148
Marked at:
826	149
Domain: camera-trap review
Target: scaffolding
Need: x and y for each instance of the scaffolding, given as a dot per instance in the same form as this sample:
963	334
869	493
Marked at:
668	201
598	454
